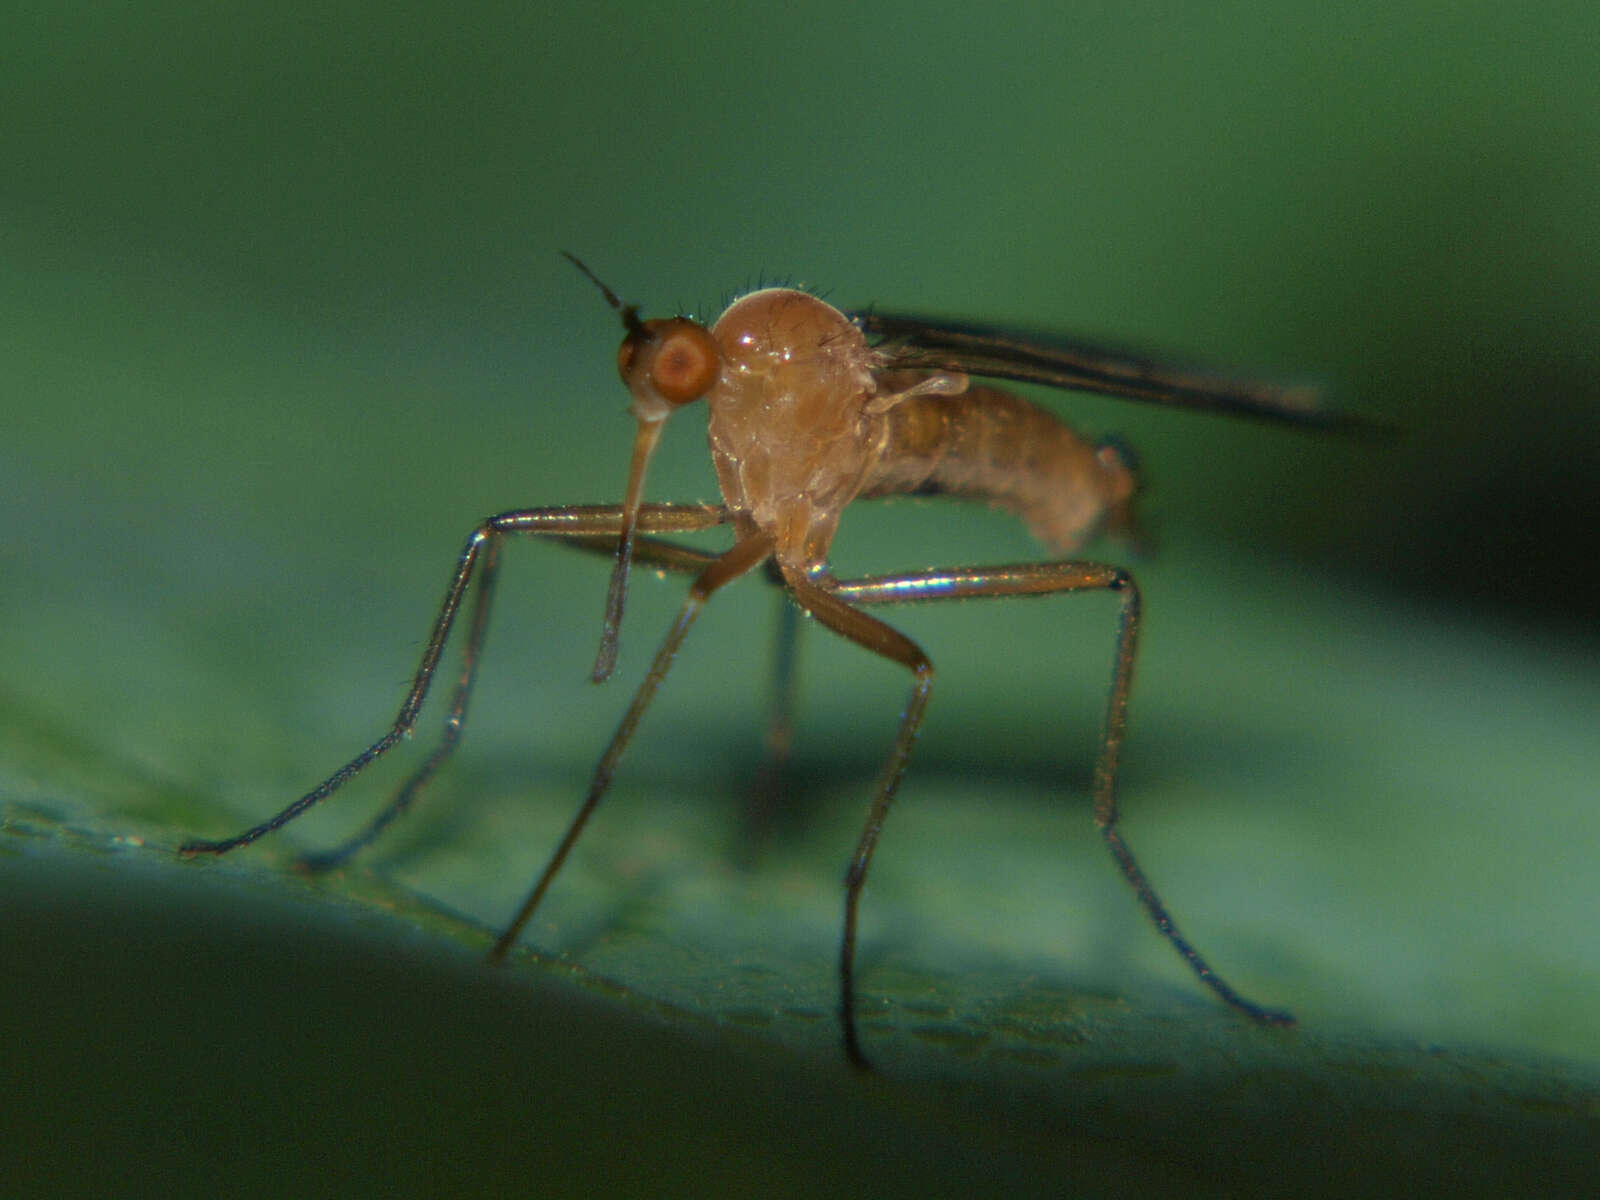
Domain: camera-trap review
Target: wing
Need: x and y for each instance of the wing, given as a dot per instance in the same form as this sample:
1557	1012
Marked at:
918	343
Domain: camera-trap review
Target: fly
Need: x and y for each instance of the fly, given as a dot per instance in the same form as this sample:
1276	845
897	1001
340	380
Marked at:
810	409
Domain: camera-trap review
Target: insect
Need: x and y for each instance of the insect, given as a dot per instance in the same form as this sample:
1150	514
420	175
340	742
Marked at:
809	410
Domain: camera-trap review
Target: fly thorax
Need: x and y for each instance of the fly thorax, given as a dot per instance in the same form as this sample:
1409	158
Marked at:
790	435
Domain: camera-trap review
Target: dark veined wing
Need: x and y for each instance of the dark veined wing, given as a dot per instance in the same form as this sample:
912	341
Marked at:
918	343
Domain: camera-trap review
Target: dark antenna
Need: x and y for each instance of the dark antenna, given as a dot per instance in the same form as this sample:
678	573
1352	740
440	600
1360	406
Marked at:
630	312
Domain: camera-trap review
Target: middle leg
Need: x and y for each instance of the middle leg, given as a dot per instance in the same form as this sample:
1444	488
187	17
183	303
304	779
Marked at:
742	557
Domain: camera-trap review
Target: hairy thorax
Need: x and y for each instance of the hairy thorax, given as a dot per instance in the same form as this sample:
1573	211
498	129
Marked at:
792	429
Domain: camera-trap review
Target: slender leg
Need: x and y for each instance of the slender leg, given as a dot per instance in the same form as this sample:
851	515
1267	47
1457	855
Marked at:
873	634
1029	579
456	718
648	551
585	524
780	723
766	792
742	557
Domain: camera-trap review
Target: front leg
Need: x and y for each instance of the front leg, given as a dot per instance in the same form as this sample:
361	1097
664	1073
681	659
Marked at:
479	559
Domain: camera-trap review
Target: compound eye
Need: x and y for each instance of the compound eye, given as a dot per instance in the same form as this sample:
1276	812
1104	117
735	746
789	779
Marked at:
686	362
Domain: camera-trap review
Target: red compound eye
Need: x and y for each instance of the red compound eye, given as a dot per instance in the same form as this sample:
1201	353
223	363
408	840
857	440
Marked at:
686	361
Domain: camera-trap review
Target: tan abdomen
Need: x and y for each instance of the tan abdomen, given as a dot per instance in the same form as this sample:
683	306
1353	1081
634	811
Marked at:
990	445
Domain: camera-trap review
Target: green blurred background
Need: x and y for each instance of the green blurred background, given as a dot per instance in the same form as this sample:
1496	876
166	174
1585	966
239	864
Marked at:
283	315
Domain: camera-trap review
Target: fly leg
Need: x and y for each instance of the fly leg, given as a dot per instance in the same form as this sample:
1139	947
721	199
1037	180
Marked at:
767	790
741	558
455	720
1029	579
478	560
649	551
872	634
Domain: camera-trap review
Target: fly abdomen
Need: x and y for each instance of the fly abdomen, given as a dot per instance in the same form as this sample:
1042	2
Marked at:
985	444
